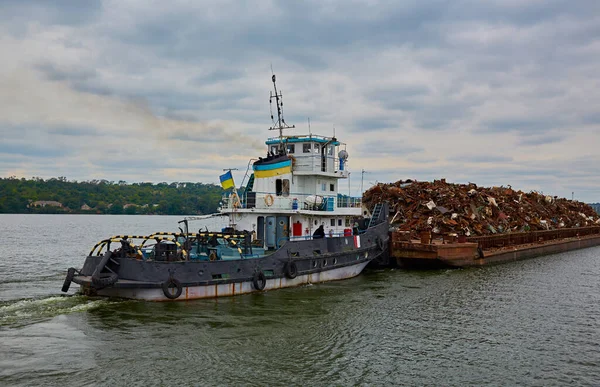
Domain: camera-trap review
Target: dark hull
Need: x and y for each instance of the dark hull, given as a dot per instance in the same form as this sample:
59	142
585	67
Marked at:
316	260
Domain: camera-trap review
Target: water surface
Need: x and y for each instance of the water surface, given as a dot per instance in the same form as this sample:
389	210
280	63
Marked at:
533	322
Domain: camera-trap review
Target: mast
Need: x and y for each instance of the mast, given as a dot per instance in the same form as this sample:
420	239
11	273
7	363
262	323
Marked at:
280	124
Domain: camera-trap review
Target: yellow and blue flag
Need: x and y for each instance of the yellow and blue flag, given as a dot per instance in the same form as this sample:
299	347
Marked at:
227	180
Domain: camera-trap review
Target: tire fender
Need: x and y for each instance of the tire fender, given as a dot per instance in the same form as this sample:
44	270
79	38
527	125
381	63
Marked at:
379	241
259	280
168	285
290	270
68	279
104	280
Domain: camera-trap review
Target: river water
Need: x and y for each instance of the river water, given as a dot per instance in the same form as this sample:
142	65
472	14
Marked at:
534	322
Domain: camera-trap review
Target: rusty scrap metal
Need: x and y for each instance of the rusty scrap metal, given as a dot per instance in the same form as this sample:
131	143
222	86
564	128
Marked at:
466	209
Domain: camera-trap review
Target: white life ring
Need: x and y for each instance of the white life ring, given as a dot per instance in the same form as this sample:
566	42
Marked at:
269	200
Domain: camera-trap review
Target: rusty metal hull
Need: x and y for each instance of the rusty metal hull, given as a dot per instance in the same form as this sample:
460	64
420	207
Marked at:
232	289
434	256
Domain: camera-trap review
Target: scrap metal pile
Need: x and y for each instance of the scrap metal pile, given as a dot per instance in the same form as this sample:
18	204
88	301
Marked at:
466	209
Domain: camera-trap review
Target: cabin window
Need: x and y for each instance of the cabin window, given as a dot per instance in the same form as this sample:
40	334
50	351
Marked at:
306	148
323	186
330	150
274	149
332	222
332	187
291	148
282	187
339	222
285	188
317	148
347	222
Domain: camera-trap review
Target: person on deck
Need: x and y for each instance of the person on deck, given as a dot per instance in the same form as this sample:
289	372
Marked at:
319	233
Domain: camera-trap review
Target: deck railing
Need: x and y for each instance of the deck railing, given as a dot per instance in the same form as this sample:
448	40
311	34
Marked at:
293	201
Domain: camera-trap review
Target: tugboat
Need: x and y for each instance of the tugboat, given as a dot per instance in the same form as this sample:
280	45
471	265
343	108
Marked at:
289	226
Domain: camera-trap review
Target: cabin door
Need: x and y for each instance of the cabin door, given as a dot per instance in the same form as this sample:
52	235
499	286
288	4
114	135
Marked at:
271	236
283	230
260	229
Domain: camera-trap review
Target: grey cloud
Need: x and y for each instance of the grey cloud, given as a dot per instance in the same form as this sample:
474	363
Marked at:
592	119
65	12
368	124
386	147
33	150
525	125
541	140
481	159
74	132
53	73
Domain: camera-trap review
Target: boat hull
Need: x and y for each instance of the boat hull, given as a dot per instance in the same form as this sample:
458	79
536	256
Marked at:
230	289
296	263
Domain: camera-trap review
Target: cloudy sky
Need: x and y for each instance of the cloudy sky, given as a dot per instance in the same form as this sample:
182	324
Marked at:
499	92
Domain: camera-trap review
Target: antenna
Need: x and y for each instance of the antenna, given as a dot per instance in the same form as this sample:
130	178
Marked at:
362	176
280	124
309	126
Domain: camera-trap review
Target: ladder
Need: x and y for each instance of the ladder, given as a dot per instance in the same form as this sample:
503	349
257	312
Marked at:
250	184
376	214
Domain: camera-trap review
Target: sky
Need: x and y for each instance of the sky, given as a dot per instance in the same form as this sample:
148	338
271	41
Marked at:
498	92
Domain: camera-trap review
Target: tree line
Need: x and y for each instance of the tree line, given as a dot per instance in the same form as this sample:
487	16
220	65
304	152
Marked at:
37	195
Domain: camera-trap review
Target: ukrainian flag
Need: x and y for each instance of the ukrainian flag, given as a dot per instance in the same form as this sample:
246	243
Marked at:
227	180
271	170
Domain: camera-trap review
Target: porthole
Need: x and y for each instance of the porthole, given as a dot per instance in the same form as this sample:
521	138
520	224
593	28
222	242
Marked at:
324	262
314	264
335	261
201	273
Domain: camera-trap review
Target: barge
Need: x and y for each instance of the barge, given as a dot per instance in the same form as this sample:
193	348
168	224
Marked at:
487	250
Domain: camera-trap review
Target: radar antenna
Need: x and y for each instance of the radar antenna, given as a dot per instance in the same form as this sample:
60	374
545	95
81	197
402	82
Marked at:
280	124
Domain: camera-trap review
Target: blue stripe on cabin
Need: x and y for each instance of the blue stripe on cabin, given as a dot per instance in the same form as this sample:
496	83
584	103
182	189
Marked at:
269	167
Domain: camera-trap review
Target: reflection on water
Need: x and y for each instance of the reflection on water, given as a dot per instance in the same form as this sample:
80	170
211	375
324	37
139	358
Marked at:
531	322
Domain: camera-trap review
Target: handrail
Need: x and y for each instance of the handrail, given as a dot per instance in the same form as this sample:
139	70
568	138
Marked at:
339	200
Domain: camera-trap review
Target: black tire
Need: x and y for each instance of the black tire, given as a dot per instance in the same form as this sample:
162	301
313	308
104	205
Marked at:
259	280
104	280
68	279
291	270
380	243
168	285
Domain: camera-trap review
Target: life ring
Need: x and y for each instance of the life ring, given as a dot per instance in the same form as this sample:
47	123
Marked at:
291	270
259	280
212	256
170	284
380	243
269	200
68	279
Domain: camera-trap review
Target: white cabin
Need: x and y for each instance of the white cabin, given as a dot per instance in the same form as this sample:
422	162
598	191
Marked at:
294	189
